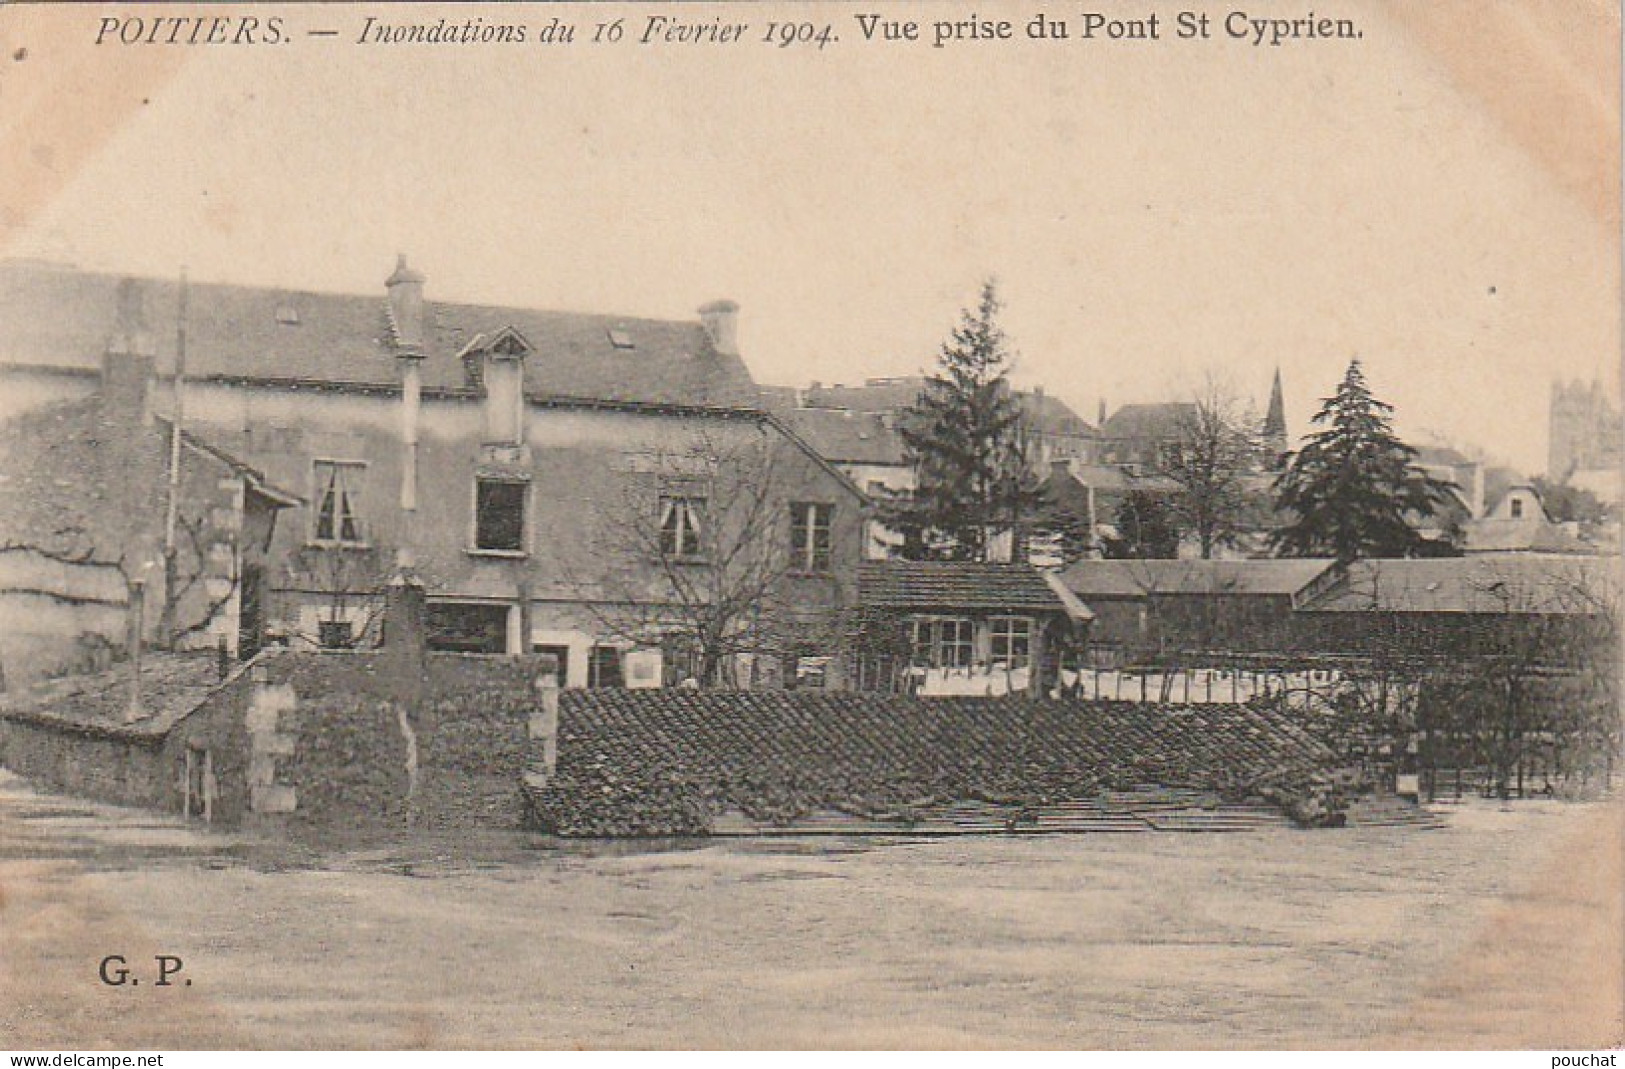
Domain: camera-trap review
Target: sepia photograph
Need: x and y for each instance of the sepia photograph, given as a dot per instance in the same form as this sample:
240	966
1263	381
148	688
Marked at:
913	525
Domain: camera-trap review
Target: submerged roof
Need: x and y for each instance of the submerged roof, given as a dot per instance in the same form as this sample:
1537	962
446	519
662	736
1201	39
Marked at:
61	317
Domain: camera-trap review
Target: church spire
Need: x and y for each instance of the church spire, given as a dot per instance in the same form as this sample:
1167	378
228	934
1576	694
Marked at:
1275	440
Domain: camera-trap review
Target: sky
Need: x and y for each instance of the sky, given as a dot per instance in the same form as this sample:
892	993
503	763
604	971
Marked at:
1428	199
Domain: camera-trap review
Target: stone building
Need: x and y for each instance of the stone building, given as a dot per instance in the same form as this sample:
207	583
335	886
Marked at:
575	484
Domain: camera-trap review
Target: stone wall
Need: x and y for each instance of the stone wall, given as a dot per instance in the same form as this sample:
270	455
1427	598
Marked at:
353	740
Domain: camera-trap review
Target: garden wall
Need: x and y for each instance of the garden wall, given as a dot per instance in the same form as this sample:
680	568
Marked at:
351	740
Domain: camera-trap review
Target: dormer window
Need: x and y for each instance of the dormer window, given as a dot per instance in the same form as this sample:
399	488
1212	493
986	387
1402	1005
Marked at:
620	339
496	365
287	315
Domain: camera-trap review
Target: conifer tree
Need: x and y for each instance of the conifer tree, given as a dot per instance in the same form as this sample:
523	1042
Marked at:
1354	489
967	439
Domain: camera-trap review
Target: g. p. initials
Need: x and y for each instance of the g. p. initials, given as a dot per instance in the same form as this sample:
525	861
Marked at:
115	971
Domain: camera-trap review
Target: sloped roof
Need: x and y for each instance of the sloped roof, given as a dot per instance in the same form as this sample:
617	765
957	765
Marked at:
876	395
1051	415
845	436
1283	577
1148	421
964	585
60	317
1517	584
1045	413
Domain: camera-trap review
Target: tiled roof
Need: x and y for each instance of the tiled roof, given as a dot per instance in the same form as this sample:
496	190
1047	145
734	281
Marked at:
60	317
846	436
960	585
1517	583
1139	578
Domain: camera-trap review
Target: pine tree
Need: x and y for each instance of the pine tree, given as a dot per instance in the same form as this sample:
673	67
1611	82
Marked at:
1146	528
967	439
1354	490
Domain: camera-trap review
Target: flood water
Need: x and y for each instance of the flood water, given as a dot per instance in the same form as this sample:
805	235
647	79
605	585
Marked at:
1500	929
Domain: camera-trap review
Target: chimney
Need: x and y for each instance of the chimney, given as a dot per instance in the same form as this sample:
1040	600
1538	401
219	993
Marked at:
127	363
405	288
1100	418
721	321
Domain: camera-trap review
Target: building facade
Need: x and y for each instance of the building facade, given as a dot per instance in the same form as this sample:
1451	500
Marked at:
596	487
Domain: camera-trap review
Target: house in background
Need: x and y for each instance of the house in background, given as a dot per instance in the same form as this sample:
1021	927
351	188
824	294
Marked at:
1138	437
1518	523
867	449
966	628
560	482
1056	431
85	528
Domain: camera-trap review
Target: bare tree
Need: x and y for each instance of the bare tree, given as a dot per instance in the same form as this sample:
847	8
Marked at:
349	581
707	543
1214	449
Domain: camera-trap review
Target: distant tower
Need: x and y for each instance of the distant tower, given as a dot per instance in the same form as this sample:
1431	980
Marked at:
1275	440
1584	430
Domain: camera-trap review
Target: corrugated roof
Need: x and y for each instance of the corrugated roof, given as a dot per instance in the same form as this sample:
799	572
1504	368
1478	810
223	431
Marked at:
61	317
1139	578
957	585
1517	583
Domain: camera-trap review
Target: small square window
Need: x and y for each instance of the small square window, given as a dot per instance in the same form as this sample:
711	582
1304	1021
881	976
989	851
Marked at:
605	667
1010	640
335	634
943	642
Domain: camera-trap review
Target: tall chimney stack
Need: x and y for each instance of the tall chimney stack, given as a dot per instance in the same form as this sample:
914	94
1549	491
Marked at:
405	288
128	361
721	321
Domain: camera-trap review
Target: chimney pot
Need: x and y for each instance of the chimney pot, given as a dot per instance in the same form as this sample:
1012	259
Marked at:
721	322
405	289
